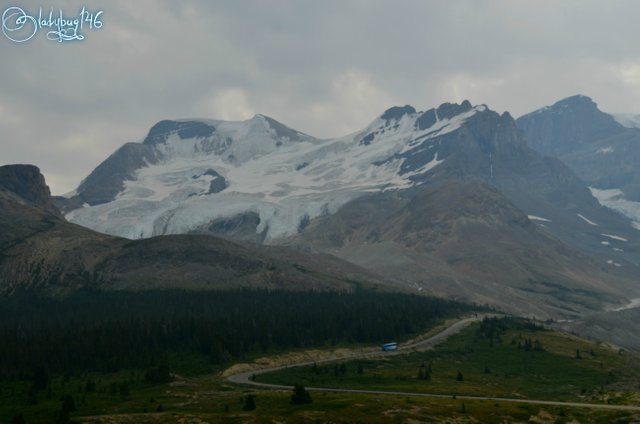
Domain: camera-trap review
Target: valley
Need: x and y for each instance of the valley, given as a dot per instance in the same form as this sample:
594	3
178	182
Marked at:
284	212
545	383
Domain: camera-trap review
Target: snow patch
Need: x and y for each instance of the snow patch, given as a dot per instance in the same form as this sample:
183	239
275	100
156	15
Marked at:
587	220
538	218
614	199
614	237
633	303
429	166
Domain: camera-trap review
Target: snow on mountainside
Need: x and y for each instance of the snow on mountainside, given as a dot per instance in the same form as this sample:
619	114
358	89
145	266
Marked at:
614	199
189	173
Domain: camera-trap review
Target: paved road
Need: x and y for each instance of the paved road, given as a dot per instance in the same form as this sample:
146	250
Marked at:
421	345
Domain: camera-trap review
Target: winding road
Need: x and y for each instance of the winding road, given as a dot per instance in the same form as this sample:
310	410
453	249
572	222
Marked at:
416	346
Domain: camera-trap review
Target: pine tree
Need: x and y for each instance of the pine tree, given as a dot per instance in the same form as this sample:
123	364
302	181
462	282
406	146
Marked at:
249	403
40	378
537	346
18	419
300	395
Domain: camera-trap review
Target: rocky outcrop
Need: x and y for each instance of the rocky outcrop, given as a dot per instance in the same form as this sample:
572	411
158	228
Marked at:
27	183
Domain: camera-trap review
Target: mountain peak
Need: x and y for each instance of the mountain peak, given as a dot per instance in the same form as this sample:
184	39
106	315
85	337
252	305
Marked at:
568	123
576	101
159	133
397	112
577	98
282	131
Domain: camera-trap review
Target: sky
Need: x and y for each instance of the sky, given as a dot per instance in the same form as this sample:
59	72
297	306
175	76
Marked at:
326	68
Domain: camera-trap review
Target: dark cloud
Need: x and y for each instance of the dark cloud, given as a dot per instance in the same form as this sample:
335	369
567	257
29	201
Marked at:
324	67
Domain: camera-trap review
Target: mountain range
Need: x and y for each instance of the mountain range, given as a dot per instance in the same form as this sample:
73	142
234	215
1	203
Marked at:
450	201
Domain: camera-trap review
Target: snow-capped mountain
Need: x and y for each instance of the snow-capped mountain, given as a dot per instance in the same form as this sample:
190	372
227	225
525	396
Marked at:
262	181
435	200
188	174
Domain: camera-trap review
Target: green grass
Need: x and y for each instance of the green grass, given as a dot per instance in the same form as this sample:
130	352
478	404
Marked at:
209	399
490	367
199	394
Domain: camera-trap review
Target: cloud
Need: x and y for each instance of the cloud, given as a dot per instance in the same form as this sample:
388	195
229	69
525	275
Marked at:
326	68
354	100
629	73
229	104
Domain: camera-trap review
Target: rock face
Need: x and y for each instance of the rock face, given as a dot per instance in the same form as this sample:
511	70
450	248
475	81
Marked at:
600	150
567	126
107	180
161	131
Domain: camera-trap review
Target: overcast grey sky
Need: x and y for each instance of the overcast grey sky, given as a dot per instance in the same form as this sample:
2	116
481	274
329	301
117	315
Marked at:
323	67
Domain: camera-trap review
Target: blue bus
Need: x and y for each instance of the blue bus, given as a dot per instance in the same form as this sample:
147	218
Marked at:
390	346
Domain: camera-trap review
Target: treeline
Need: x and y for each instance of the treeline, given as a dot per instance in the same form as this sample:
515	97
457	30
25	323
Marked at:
109	331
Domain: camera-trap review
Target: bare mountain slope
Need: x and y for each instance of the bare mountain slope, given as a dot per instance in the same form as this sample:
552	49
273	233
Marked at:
466	240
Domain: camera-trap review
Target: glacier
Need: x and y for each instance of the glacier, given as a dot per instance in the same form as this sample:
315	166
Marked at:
284	176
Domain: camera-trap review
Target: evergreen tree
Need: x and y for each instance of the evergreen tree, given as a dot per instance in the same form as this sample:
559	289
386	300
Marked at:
40	378
249	403
18	419
159	375
68	403
537	346
300	395
123	388
90	386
